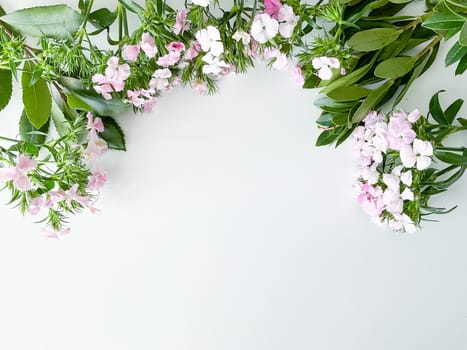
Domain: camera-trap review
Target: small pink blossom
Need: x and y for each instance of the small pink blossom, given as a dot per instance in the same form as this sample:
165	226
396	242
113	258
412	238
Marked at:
199	86
52	234
402	223
180	22
97	180
72	195
148	45
299	78
324	64
96	146
193	51
170	59
130	52
37	204
103	86
281	63
18	173
95	123
287	21
272	8
400	133
117	73
175	46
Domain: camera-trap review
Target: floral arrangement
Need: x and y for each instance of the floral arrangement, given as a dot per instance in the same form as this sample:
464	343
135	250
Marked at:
364	55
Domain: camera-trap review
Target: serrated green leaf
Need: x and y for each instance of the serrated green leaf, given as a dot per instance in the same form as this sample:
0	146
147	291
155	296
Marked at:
29	133
371	101
36	98
456	52
113	134
92	102
53	21
348	93
6	87
451	112
443	21
373	39
463	35
436	111
394	68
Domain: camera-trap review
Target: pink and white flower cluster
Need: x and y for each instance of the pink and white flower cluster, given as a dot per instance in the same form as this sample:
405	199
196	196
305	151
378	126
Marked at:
384	190
210	42
19	173
113	79
276	18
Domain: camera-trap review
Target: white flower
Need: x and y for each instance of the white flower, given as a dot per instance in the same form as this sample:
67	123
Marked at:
407	194
406	178
214	65
402	222
419	153
243	36
202	3
210	40
264	28
392	181
324	64
287	21
393	201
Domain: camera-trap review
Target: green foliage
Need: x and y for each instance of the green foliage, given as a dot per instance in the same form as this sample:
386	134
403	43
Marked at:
31	134
6	87
53	21
36	97
113	134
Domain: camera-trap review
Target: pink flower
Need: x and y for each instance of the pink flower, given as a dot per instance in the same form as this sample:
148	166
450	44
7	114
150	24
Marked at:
299	78
399	133
180	22
52	234
281	63
134	98
193	51
72	195
272	7
148	45
402	223
97	180
324	64
175	46
287	21
170	59
199	86
96	146
18	173
117	73
370	199
130	52
95	124
103	88
37	204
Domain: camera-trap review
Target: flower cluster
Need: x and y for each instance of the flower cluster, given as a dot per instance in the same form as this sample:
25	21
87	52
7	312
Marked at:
113	79
390	154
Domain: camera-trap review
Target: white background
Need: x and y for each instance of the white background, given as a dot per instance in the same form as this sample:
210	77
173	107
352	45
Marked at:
223	227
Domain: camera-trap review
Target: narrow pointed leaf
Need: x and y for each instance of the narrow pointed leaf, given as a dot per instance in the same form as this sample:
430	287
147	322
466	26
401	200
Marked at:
6	87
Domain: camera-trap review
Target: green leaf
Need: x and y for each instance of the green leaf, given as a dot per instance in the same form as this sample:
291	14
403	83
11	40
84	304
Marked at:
371	101
436	111
351	78
103	18
328	136
462	66
443	21
415	74
31	134
395	67
348	93
131	6
53	21
463	35
451	112
451	158
113	134
92	102
6	87
311	82
36	98
373	39
400	1
60	122
456	52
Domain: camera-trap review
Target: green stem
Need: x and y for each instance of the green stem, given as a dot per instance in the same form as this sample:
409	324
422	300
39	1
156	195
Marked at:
452	149
8	139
